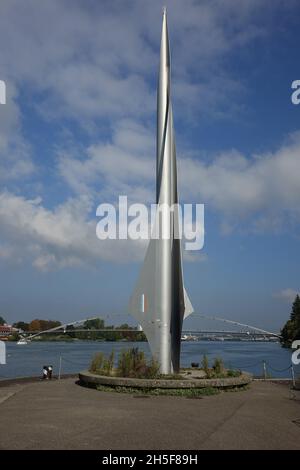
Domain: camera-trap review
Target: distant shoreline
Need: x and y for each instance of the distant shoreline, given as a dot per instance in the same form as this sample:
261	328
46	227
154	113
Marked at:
72	340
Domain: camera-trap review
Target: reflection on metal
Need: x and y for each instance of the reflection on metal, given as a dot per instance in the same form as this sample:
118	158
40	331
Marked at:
159	302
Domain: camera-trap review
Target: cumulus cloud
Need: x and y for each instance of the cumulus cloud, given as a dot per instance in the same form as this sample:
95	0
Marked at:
63	237
287	295
99	60
261	191
15	153
124	164
98	65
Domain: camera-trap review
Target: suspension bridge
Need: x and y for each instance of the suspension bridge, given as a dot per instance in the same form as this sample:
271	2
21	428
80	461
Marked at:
245	329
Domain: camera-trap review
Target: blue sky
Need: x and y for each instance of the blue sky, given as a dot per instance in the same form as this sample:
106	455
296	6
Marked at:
78	129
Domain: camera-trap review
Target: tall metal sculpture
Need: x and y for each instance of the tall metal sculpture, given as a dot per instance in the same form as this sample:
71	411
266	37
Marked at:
160	302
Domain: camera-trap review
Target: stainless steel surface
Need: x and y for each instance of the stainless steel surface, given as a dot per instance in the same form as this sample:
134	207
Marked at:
160	290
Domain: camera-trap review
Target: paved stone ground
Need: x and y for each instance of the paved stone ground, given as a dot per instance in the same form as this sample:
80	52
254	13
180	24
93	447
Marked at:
63	415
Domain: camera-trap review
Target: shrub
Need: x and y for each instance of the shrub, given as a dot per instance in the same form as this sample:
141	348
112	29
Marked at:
153	369
233	373
97	362
218	366
132	363
126	363
102	365
108	364
205	365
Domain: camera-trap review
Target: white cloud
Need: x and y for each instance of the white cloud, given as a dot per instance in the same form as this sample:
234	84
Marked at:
99	64
261	192
288	295
124	165
15	158
100	60
63	237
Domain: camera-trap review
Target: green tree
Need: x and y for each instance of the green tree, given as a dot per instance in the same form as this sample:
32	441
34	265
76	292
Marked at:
42	325
140	336
95	324
70	330
47	324
125	326
295	313
21	325
291	329
14	337
2	321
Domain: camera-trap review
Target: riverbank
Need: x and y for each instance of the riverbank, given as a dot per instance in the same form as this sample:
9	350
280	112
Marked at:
60	414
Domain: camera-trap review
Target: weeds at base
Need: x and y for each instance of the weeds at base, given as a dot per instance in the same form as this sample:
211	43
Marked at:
175	392
188	393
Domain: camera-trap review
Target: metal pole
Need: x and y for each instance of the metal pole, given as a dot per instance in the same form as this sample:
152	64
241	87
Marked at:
265	370
293	375
59	372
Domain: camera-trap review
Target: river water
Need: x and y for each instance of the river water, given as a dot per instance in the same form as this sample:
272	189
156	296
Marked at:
27	360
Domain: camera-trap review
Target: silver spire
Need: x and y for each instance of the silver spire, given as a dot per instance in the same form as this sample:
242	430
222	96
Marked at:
159	302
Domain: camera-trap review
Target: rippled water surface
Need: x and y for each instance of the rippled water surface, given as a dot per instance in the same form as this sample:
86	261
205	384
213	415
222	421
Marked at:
27	360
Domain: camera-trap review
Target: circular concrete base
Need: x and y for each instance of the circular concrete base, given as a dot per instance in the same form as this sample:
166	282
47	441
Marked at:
90	379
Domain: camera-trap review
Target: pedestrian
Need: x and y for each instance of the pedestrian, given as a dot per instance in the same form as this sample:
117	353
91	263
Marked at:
45	373
50	368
